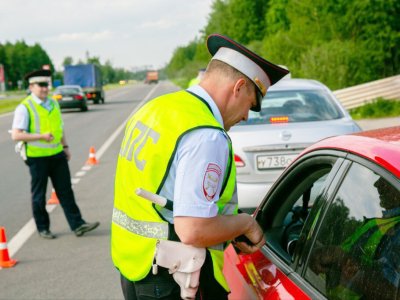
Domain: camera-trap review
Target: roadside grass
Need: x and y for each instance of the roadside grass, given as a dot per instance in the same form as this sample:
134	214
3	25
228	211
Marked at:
111	86
8	105
379	108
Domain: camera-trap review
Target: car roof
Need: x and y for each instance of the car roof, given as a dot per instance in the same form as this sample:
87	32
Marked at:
297	84
381	146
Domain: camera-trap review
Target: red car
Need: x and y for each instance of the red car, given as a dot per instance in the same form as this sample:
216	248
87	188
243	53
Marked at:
332	225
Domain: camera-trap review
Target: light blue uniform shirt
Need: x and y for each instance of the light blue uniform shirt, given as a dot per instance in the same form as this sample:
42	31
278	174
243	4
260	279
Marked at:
198	152
21	114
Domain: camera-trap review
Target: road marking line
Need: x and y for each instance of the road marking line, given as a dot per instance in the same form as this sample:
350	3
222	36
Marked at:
29	228
21	237
80	174
75	180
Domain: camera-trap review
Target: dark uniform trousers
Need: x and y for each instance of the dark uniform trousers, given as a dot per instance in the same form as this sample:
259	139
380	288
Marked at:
163	286
56	167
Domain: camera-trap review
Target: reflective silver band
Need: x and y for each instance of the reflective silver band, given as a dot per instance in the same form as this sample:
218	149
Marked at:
44	145
37	120
155	230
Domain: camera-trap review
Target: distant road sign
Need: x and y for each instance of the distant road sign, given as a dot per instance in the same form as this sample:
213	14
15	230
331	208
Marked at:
2	79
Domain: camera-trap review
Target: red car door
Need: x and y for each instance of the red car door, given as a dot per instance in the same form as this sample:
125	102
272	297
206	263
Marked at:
254	276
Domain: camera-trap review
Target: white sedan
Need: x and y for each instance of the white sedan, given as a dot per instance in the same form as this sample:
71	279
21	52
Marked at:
294	114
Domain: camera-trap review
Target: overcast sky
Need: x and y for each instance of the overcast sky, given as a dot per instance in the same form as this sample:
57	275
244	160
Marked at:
129	33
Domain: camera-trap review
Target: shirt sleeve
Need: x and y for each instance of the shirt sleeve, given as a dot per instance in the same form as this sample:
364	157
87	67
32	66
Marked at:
202	158
21	118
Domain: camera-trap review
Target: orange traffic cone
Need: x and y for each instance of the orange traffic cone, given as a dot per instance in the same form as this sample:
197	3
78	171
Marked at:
53	198
5	261
92	157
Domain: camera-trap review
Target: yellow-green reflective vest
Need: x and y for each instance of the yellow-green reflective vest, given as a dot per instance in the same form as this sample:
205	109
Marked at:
43	121
151	139
371	234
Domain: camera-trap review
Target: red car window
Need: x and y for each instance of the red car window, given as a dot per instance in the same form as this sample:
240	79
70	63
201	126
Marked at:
356	253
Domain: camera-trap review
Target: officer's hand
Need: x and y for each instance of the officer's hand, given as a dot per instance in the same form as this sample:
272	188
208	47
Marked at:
253	239
48	137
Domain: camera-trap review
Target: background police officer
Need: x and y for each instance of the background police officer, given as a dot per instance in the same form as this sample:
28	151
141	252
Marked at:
38	123
198	78
177	146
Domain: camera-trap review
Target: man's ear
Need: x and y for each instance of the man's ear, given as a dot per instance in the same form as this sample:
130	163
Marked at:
239	85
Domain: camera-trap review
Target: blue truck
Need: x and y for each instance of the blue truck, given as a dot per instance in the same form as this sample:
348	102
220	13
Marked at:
87	76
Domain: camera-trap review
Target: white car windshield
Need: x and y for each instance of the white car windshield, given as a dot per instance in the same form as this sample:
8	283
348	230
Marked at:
295	106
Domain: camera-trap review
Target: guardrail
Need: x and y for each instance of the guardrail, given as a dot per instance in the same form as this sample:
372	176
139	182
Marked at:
388	88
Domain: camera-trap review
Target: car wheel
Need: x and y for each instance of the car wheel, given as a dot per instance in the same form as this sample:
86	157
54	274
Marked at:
84	108
96	101
102	100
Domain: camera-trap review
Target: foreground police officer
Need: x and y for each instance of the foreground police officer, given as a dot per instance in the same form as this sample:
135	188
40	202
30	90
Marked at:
177	146
38	122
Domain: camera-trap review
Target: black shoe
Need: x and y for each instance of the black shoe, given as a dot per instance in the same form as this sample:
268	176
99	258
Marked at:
46	234
85	228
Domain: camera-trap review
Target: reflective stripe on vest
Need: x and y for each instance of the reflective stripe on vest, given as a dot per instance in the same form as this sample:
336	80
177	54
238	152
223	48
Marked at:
44	121
368	237
153	230
366	240
151	139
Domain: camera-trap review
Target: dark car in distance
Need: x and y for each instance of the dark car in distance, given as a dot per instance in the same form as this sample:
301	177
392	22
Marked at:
331	223
71	96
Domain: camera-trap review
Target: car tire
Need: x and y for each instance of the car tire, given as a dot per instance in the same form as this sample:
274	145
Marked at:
84	108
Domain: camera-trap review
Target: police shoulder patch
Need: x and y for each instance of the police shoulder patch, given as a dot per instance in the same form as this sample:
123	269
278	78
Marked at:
211	180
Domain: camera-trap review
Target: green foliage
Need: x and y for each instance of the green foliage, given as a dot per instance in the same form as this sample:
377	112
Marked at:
242	20
68	61
377	109
339	42
276	18
19	59
336	63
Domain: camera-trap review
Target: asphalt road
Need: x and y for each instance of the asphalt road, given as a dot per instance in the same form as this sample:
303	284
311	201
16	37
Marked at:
70	267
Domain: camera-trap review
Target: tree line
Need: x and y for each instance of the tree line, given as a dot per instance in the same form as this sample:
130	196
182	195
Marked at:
18	59
339	42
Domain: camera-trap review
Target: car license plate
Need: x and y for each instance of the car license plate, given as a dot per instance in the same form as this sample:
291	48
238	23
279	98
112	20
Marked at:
265	162
68	98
